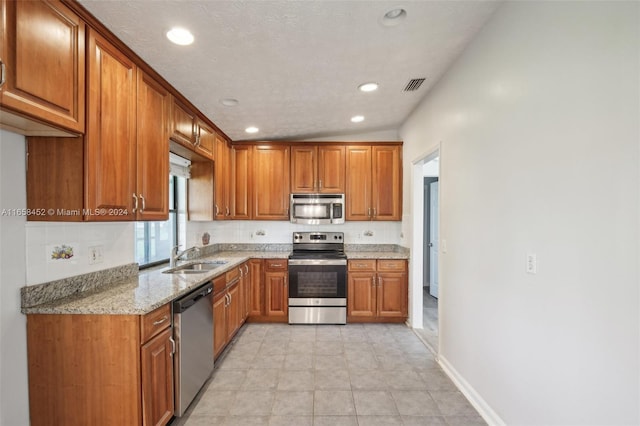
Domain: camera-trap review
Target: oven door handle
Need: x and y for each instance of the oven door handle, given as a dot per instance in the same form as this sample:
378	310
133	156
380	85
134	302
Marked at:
318	262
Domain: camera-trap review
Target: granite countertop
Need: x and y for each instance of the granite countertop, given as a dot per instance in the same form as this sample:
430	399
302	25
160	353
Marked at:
141	293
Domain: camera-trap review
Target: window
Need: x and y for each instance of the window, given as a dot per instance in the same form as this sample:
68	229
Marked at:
154	240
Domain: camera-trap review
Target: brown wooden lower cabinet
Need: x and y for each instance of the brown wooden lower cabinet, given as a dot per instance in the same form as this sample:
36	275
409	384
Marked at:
157	379
100	369
377	290
269	290
229	306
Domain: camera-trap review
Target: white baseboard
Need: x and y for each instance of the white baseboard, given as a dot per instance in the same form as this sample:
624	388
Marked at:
487	413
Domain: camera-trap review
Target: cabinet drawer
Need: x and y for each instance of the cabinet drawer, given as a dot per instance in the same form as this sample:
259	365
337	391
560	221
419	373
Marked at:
154	322
362	265
233	274
275	265
219	284
390	265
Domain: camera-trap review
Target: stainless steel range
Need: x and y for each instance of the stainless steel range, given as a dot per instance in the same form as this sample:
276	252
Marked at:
318	279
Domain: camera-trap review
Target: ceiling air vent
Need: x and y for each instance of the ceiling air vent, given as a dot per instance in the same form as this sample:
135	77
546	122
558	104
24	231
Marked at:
413	84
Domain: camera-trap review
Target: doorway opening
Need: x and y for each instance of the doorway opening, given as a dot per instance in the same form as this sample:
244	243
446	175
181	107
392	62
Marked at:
425	288
430	242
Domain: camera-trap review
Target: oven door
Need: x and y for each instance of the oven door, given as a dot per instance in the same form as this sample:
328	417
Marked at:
317	282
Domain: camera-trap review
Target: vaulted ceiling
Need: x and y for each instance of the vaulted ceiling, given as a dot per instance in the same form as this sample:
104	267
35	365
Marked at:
295	66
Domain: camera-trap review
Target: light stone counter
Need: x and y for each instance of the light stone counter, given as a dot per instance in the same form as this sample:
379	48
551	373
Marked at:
141	294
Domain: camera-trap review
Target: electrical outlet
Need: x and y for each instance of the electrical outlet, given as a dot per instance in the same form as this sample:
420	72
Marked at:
532	263
96	254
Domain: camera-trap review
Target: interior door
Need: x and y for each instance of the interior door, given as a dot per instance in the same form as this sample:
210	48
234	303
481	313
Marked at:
433	241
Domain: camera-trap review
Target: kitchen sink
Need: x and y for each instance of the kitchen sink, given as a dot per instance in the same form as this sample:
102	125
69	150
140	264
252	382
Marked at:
196	267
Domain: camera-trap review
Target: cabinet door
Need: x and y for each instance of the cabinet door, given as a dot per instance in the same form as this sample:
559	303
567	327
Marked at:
271	183
206	140
361	295
157	379
245	291
277	296
183	129
304	178
241	167
392	294
222	179
387	183
152	149
331	169
200	203
110	156
256	299
43	50
219	322
234	310
358	179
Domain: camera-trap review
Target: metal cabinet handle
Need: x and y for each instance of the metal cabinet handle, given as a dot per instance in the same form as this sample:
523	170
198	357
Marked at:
241	272
173	346
375	213
380	281
143	203
247	269
217	209
3	74
160	321
276	265
228	212
320	184
135	203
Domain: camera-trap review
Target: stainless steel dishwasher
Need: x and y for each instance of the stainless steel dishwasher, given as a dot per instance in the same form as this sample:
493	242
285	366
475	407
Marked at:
193	333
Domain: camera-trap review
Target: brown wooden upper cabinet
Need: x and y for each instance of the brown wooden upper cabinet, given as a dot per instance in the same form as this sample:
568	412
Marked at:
241	182
127	140
152	143
43	65
318	169
110	146
222	171
191	131
271	182
374	182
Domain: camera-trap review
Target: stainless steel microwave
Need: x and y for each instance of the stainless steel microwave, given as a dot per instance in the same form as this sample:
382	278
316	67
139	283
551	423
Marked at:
317	209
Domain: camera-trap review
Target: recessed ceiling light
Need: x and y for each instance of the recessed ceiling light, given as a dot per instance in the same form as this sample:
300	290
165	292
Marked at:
180	36
230	102
357	118
393	17
368	87
252	129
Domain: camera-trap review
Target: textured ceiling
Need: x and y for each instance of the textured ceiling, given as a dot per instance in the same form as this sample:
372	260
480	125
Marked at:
294	66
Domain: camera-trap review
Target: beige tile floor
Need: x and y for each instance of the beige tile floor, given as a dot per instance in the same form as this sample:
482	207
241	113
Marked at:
374	374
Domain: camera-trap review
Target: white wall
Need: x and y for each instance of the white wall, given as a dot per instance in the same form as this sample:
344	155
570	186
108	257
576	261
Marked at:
14	405
115	239
281	232
545	96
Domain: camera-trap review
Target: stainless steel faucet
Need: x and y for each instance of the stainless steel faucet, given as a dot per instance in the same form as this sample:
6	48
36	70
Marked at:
175	255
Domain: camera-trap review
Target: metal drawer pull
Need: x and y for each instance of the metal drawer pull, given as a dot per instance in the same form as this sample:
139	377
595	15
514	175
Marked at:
3	75
276	265
135	204
160	321
143	203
